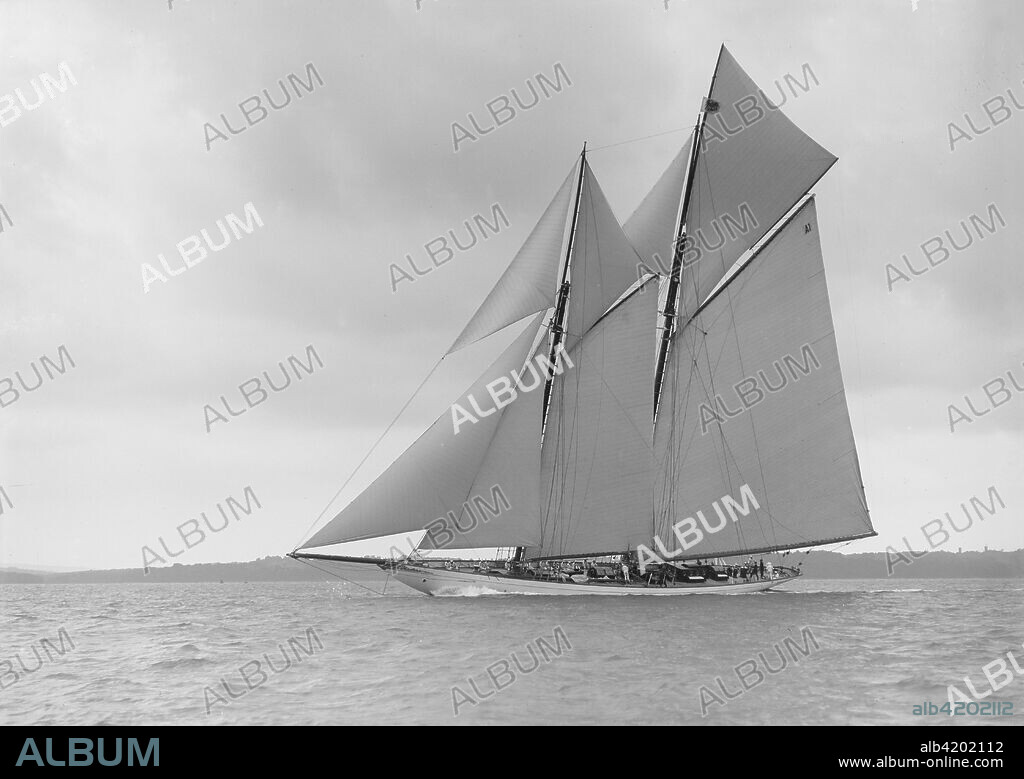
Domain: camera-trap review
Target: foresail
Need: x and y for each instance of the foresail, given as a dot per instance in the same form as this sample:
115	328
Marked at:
530	282
596	466
753	166
440	471
502	507
754	448
603	265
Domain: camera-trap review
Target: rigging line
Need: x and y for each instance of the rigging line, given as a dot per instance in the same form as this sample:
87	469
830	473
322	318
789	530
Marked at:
546	516
559	319
669	466
726	450
753	427
585	216
726	455
641	138
573	443
675	455
625	412
573	450
373	448
739	356
698	236
729	454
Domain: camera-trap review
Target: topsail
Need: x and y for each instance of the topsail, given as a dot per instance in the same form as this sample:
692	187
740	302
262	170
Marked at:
753	165
529	283
603	262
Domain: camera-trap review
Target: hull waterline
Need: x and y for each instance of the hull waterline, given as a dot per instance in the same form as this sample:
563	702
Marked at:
444	583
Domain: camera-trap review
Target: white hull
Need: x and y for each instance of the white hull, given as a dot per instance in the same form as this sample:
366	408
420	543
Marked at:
440	582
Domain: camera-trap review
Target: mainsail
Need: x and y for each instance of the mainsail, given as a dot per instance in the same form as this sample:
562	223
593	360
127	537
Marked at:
754	449
597	464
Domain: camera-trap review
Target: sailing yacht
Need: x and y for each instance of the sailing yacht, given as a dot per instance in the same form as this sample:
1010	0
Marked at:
675	398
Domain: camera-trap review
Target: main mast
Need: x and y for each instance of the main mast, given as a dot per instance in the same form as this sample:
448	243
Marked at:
671	303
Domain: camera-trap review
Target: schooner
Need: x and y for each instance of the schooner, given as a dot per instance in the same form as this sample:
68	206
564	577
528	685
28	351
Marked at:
674	400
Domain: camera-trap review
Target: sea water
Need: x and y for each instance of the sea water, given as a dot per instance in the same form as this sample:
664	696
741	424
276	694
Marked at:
812	652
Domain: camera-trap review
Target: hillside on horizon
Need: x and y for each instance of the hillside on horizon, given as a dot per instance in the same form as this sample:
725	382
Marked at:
990	564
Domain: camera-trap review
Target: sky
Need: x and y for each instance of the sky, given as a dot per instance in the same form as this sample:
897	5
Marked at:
99	179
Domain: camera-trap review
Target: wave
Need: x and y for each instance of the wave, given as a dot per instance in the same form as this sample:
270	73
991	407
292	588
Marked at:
478	591
184	662
844	592
467	591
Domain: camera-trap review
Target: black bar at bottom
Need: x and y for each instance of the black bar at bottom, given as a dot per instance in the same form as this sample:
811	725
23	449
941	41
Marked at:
791	749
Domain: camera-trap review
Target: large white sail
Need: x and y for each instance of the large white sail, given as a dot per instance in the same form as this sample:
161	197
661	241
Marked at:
597	460
502	507
753	166
440	471
652	227
530	282
603	264
753	448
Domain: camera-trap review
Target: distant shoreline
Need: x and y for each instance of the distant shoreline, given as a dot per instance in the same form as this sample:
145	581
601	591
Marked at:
817	565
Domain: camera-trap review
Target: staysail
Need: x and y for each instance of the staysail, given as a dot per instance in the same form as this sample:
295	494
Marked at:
530	282
652	227
597	456
440	471
754	450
